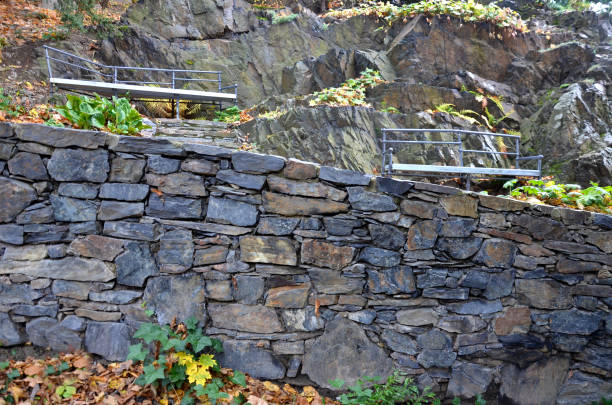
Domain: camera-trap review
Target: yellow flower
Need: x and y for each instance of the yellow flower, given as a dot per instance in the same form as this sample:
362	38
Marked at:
198	372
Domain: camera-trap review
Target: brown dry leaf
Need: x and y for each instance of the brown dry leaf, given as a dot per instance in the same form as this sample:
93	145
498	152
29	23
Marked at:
271	387
16	392
290	390
309	392
253	400
82	362
34	369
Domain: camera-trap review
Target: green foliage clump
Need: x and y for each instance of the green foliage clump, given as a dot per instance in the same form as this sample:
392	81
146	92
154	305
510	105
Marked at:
349	93
468	11
116	116
284	18
396	389
179	357
594	198
8	106
10	376
229	115
77	14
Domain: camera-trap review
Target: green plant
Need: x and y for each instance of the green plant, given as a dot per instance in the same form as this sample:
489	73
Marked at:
351	92
479	401
603	401
66	390
284	18
231	114
180	357
8	106
116	115
396	389
52	370
10	376
79	14
272	115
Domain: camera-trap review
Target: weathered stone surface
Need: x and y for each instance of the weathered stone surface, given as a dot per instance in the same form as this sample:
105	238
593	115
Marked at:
133	144
460	205
96	246
161	165
324	254
181	183
176	248
387	236
180	296
211	255
476	279
78	190
124	170
131	230
250	181
71	289
398	342
436	349
63	340
233	212
37	330
60	137
592	291
458	227
277	225
538	384
113	210
124	192
461	323
418	209
292	206
267	249
98	316
255	163
422	235
597	356
66	209
541	228
200	166
294	296
499	285
107	339
219	290
9	333
513	320
36	214
569	343
602	240
568	266
395	280
459	248
468	380
366	316
340	226
328	281
582	388
249	358
12	234
363	200
446	293
602	220
247	318
15	196
306	189
496	253
302	320
118	297
36	310
349	353
69	268
502	204
299	170
574	322
380	257
174	207
476	307
79	165
545	294
28	165
74	323
343	177
393	186
6	150
31	252
282	347
417	317
135	265
248	289
208	150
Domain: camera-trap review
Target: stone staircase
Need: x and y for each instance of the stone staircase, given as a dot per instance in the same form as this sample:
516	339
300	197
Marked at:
209	132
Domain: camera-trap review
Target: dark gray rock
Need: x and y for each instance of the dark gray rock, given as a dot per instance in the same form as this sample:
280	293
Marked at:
585	302
250	181
180	296
28	165
36	310
12	234
496	253
200	166
71	289
249	358
156	146
277	225
343	177
69	268
363	200
131	230
234	212
56	251
395	280
583	388
446	293
84	228
78	190
574	322
41	233
124	192
545	294
387	236
79	165
60	137
459	248
66	209
311	224
476	307
302	320
108	339
255	163
174	207
365	317
6	150
340	226
344	351
461	323
432	278
126	170
329	281
398	342
602	220
468	380
63	339
182	183
118	297
541	227
294	366
113	210
539	383
74	323
135	265
37	330
422	235
208	150
380	257
15	196
393	186
17	294
569	343
248	289
458	227
176	247
436	349
9	333
499	285
161	165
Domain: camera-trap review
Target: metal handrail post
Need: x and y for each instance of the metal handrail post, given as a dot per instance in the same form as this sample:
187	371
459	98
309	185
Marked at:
390	161
49	70
517	152
384	150
236	93
219	80
114	74
460	140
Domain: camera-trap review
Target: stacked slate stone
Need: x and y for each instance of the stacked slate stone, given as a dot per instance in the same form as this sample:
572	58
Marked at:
303	271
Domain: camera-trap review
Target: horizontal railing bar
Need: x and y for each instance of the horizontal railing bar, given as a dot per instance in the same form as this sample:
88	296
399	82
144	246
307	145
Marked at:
493	152
74	56
460	131
163	70
80	67
139	82
233	86
196	80
426	142
531	157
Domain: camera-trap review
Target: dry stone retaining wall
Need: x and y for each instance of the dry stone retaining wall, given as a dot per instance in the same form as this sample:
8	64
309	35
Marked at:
304	272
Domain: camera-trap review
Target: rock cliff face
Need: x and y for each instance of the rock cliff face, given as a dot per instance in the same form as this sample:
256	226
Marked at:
304	271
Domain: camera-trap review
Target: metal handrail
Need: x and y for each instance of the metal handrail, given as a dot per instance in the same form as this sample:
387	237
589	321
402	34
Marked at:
387	155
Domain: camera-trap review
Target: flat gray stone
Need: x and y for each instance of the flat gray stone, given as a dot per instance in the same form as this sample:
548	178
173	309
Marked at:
469	380
37	330
575	322
247	318
277	225
124	191
344	351
255	163
244	180
108	339
119	297
79	165
458	227
582	388
249	358
15	196
461	323
96	246
174	207
60	137
126	170
161	165
135	265
476	307
396	280
28	165
499	285
432	278
399	342
459	248
232	212
343	177
248	289
36	310
66	209
78	190
363	200
387	236
327	281
133	144
302	320
62	339
131	230
74	323
71	289
180	296
446	293
539	383
182	183
380	257
9	333
113	210
69	268
208	150
176	247
12	234
200	166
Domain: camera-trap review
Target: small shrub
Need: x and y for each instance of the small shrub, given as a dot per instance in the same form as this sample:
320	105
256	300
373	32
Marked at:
349	93
116	116
231	114
284	18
